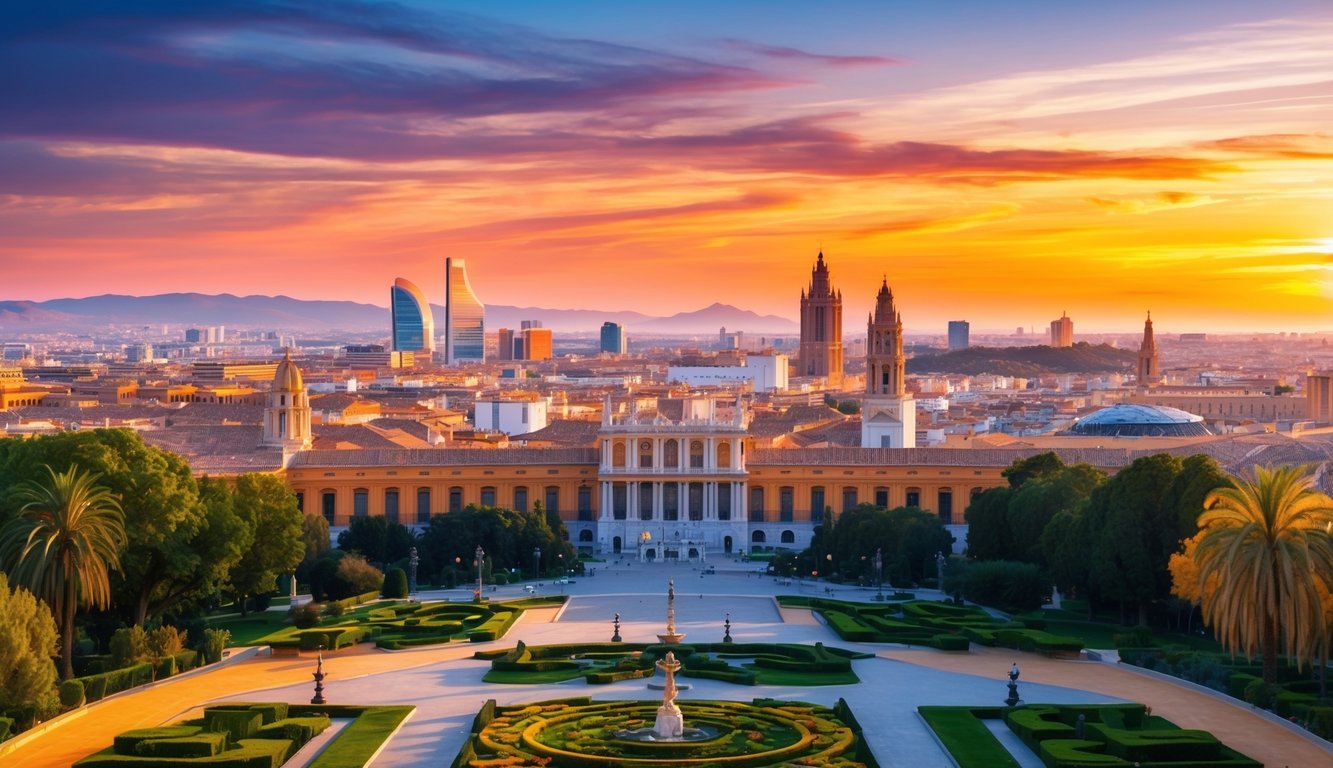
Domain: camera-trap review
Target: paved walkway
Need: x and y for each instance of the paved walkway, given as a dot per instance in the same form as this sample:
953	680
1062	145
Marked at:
445	682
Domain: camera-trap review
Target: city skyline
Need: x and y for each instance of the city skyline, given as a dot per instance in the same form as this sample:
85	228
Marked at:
1100	161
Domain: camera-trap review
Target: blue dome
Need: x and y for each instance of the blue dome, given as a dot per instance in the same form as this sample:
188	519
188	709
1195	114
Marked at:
1140	420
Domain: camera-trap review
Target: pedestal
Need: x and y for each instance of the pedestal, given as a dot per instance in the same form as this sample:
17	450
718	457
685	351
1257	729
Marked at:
671	638
670	722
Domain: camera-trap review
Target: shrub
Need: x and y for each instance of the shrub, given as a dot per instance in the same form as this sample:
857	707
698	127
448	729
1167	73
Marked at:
1010	586
166	640
95	688
335	609
1138	637
239	724
211	647
1261	694
129	645
305	615
165	668
358	576
395	584
6	725
71	694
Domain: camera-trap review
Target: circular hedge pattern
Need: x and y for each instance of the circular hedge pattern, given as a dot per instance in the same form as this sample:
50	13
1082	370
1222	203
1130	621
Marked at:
583	734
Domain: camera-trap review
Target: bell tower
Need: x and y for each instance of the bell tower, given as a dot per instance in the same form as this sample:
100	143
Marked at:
820	353
287	413
1148	371
888	411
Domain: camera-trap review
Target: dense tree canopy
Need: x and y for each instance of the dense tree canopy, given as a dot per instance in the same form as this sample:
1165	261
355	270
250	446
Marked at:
509	539
378	539
268	507
908	538
27	643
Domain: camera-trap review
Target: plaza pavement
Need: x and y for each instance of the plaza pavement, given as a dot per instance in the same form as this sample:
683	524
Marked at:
444	683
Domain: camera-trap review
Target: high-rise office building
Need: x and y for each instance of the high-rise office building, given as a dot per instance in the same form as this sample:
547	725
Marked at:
536	343
959	331
413	323
821	327
1062	331
464	317
888	412
613	339
1148	371
504	345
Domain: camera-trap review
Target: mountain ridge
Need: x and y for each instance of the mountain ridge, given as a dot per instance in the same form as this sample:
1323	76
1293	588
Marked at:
284	313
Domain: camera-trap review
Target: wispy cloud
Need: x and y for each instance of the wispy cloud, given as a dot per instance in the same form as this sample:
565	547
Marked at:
783	53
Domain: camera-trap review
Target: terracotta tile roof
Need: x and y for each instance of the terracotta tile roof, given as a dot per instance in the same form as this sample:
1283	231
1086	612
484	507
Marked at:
350	437
443	457
571	432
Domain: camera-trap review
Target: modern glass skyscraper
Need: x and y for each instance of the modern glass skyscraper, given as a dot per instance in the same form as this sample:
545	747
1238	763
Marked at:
613	338
959	335
464	317
413	323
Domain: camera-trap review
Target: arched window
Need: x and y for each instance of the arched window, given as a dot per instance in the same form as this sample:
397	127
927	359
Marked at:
617	454
724	455
788	537
671	454
757	537
696	454
585	535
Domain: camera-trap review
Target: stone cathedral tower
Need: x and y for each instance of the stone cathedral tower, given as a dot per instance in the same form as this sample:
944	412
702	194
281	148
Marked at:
821	327
888	412
1148	371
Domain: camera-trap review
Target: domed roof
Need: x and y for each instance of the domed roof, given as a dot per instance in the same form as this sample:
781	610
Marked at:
1140	419
288	377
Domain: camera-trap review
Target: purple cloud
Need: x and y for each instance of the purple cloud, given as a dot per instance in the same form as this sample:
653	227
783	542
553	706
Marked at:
795	54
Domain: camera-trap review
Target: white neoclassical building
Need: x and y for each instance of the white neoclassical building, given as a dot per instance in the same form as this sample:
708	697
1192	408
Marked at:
671	475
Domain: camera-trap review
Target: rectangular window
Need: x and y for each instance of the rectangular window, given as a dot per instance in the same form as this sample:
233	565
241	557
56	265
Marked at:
696	501
423	506
882	497
757	505
553	499
670	501
521	499
724	501
488	496
913	497
585	503
646	511
360	502
848	499
328	505
946	506
619	501
391	505
300	501
786	504
455	499
817	502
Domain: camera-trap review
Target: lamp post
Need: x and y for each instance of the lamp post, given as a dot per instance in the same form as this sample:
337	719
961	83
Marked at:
536	562
879	573
561	557
480	554
828	569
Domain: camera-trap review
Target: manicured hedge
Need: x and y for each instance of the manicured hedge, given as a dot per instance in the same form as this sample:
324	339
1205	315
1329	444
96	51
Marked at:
239	723
127	742
362	738
967	738
197	745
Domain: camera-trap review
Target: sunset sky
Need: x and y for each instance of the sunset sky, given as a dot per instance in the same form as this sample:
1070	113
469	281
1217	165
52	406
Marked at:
998	162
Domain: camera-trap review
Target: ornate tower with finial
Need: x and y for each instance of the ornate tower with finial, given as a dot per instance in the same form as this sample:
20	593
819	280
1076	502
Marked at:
820	353
1148	371
888	412
287	414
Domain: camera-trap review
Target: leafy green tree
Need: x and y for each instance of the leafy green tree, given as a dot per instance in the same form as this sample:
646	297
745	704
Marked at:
1033	505
1267	543
158	496
907	537
1065	543
63	545
378	539
269	511
988	525
1032	468
509	539
27	643
356	577
1128	556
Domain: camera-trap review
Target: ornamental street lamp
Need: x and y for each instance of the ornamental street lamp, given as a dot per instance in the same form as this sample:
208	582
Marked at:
480	554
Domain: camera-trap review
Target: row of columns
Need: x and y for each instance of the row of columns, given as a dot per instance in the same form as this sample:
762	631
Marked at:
710	445
712	489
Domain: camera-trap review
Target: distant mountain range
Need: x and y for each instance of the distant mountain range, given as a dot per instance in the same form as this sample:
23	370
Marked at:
283	313
1026	361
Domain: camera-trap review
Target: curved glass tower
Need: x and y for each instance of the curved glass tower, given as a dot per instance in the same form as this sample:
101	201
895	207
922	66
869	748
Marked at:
464	317
413	324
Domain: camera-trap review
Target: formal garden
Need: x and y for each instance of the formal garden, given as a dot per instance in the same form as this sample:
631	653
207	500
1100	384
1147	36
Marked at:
1068	736
581	733
739	663
266	735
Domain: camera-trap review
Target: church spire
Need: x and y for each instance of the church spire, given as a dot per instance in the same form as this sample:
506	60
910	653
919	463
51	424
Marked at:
1148	370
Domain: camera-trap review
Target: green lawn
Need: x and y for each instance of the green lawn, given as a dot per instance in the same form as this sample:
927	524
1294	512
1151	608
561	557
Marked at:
248	630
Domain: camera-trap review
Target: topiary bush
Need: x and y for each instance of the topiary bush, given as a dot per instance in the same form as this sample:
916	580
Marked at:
213	643
395	584
305	615
71	694
129	645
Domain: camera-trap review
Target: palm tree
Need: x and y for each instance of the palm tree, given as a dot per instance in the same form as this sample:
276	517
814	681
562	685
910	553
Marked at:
1267	542
62	546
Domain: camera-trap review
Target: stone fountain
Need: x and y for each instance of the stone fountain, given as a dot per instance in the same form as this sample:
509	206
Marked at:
670	722
672	637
